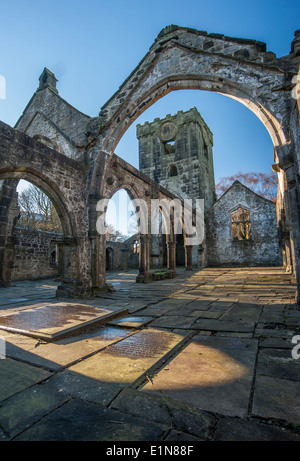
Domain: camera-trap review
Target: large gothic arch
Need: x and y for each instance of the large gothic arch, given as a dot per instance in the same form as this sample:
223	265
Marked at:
181	58
244	70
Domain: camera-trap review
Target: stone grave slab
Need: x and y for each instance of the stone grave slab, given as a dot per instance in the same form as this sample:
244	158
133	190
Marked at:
51	322
122	363
212	374
63	352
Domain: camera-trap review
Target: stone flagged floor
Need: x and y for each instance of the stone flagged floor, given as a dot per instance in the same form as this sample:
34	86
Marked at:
204	356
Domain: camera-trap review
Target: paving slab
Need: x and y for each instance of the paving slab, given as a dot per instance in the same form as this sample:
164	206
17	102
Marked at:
84	421
17	376
181	416
272	313
221	378
130	357
243	312
278	363
273	330
240	430
173	321
220	325
277	398
35	402
274	342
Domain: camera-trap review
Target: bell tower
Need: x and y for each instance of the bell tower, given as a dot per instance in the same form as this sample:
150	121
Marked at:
176	152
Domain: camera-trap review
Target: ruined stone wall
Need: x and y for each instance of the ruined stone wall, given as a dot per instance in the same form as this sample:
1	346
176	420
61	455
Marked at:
54	122
262	249
33	250
116	254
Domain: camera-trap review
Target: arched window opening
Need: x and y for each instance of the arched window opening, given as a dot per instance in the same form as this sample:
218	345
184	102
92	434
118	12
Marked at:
241	224
173	171
136	247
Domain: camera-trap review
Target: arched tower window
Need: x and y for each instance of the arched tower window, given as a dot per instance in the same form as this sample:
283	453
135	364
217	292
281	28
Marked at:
241	224
173	171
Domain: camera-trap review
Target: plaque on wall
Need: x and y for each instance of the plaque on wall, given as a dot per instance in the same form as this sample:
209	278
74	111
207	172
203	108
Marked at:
167	131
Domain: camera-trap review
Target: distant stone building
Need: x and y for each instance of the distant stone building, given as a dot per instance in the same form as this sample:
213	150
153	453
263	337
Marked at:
241	230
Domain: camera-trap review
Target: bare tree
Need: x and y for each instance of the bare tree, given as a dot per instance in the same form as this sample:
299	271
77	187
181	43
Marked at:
264	184
114	235
37	211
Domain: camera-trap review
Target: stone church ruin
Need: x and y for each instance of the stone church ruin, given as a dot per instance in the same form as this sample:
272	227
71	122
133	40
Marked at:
70	156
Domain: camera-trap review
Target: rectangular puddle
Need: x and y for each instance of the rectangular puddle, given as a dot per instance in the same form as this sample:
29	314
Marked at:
56	321
131	321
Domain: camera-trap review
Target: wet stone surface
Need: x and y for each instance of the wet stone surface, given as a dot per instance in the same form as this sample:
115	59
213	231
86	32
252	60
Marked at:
50	316
146	344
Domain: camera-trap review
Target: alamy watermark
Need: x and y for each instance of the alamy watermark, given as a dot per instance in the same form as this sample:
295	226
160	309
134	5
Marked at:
178	216
2	87
296	349
296	88
2	348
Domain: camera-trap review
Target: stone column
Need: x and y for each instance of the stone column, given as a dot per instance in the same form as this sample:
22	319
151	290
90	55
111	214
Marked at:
286	155
171	255
59	259
288	256
9	214
144	258
188	257
97	246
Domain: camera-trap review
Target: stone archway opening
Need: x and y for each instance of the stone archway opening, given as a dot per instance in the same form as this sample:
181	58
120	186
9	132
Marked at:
122	232
180	247
29	249
32	233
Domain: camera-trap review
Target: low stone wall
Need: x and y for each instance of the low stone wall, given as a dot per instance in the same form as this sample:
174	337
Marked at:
35	256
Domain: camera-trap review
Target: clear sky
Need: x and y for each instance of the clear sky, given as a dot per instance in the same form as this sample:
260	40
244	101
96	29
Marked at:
93	45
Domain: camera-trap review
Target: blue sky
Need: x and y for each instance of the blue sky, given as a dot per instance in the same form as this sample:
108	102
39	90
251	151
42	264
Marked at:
93	45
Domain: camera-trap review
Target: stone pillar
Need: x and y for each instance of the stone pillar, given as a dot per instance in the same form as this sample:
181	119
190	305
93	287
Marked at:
124	263
7	257
97	246
171	255
188	257
155	260
286	156
9	214
60	259
75	275
288	256
144	259
67	289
